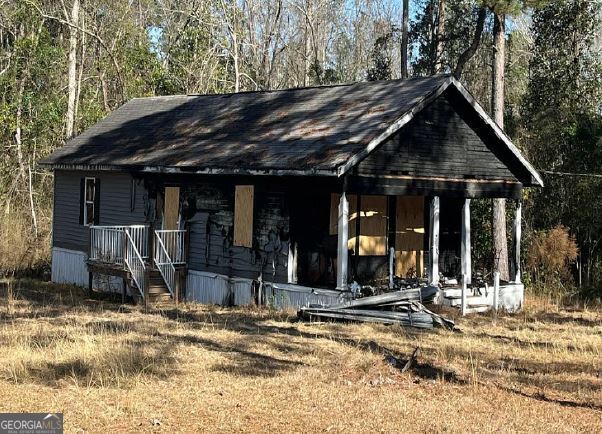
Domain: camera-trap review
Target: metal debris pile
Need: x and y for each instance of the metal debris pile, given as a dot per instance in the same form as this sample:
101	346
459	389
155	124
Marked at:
398	307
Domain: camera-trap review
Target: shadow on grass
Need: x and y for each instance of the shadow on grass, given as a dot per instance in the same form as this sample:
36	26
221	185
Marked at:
151	349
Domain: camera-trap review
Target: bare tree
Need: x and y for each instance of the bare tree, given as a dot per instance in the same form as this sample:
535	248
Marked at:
440	36
404	38
72	69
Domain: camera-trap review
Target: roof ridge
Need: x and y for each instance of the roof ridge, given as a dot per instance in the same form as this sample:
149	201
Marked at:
294	89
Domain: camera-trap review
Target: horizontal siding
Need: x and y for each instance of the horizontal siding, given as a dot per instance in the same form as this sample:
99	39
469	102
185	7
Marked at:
115	206
436	143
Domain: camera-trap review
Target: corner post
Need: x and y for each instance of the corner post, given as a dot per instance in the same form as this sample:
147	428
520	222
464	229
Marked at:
434	242
517	237
465	243
343	238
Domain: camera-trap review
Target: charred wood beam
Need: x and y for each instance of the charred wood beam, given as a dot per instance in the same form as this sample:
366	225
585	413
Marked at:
461	188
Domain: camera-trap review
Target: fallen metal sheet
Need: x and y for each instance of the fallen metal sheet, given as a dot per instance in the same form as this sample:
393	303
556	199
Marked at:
412	314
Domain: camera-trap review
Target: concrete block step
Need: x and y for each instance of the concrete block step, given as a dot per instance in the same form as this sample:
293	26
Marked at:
472	300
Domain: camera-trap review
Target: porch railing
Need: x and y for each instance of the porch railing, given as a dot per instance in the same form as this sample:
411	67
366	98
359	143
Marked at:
107	243
164	263
173	242
134	262
128	247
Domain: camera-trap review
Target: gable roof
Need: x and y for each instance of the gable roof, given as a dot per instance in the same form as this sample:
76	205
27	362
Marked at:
320	130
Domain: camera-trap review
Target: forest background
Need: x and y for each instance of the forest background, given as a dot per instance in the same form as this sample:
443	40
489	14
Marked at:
535	65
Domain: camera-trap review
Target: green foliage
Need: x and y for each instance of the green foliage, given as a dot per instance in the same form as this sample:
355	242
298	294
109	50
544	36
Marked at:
563	124
381	68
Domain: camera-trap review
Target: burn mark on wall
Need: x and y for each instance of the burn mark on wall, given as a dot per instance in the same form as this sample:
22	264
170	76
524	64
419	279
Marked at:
209	211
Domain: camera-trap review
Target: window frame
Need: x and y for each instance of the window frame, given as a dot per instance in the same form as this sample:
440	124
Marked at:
86	201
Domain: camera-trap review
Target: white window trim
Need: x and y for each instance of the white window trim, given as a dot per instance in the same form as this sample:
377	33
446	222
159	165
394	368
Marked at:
86	201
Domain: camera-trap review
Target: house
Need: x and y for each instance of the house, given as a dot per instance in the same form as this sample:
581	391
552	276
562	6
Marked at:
283	197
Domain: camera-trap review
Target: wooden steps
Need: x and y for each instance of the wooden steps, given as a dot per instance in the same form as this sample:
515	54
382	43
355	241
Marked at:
157	289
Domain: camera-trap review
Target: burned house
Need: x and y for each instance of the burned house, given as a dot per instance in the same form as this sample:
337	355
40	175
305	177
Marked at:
283	197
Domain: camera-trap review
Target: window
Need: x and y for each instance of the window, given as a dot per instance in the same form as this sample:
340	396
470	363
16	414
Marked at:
89	201
243	215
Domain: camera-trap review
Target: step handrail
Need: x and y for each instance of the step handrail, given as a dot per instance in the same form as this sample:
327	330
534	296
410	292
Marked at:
164	264
174	242
134	263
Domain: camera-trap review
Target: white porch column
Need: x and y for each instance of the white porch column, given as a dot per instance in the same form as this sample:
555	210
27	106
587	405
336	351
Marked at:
517	236
465	243
434	242
343	237
292	262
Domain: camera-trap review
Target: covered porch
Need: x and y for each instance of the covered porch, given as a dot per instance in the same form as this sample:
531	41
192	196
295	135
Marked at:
384	238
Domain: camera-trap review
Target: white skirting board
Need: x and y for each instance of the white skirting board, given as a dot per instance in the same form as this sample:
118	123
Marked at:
212	288
512	296
285	296
69	267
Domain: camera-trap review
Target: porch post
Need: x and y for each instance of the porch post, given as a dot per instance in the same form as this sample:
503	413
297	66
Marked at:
465	243
343	237
517	237
292	262
434	242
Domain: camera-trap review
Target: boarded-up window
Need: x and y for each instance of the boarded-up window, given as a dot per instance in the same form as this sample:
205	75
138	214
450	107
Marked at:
409	238
171	210
243	215
373	223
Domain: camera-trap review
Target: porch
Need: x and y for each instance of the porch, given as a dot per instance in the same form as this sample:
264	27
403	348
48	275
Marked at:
444	261
151	263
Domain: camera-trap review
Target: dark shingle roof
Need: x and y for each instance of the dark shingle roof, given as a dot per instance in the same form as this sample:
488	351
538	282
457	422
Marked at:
315	129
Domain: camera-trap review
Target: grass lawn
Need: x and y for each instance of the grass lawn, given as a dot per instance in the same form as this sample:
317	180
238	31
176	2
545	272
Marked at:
115	368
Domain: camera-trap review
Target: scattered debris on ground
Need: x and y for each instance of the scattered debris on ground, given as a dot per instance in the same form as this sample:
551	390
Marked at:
400	364
399	307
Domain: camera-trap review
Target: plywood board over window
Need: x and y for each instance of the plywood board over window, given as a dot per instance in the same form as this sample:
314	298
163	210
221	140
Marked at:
409	237
171	210
243	215
373	226
373	223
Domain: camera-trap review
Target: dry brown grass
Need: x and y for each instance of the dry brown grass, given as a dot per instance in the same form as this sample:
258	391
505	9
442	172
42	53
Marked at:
113	368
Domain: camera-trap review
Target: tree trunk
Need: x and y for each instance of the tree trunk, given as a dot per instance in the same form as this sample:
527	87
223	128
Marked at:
404	38
440	35
500	242
307	45
72	71
474	45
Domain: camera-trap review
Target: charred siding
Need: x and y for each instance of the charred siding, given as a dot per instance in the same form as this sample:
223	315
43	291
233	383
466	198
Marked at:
436	143
211	234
